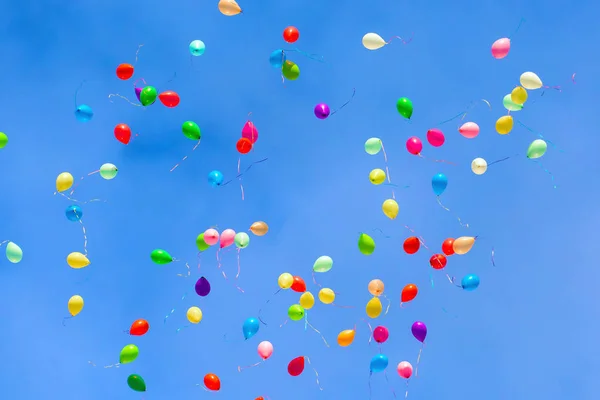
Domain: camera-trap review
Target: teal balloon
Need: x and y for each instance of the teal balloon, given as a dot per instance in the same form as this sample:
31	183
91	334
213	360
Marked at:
277	58
470	282
250	327
439	184
84	113
197	48
379	363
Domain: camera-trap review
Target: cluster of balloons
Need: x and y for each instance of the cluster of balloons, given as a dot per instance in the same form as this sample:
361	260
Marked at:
377	176
249	137
148	94
278	58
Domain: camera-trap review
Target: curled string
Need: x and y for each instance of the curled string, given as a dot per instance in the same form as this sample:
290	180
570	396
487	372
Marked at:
249	366
183	327
314	278
124	98
316	373
85	239
78	183
419	360
240	177
245	171
370	329
447	209
79	201
219	265
346	103
387	170
540	136
117	365
402	40
185	158
238	263
308	324
389	303
186	275
389	385
137	53
546	171
452	280
492	258
173	310
264	305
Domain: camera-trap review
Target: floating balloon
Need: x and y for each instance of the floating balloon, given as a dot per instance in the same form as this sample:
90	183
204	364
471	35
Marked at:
161	257
136	382
138	92
285	280
536	149
194	315
323	264
76	260
202	287
373	146
124	71
404	107
227	238
411	245
122	133
259	228
3	140
381	334
500	48
377	176
241	240
414	145
250	328
511	105
215	178
296	312
108	171
64	181
409	292
296	366
327	296
74	213
75	305
373	41
345	338
519	95
290	70
504	124
469	130
291	34
376	287
405	369
265	349
438	261
463	245
13	252
169	99
201	243
139	327
148	95
322	111
390	208
299	285
374	307
435	137
212	381
250	132
366	244
211	237
128	354
229	8
439	182
470	282
379	363
307	300
277	58
479	166
243	145
83	113
419	331
448	247
197	48
530	81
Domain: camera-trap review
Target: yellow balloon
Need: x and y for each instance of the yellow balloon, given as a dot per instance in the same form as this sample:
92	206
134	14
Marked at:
285	280
229	7
376	287
345	338
307	300
259	228
77	260
519	95
530	80
463	244
390	208
75	305
479	166
377	176
373	41
194	315
326	295
374	307
504	124
64	182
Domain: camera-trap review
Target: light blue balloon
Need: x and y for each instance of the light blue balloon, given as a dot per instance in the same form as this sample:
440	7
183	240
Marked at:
277	59
197	48
250	327
379	363
215	178
439	183
470	282
84	113
74	213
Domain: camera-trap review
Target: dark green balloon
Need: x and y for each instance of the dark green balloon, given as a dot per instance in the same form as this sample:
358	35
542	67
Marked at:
148	95
136	383
191	130
404	107
160	257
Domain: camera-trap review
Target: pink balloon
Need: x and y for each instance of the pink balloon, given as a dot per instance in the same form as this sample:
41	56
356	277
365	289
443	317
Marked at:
227	238
381	334
414	145
265	349
249	131
405	370
469	130
500	48
435	137
211	237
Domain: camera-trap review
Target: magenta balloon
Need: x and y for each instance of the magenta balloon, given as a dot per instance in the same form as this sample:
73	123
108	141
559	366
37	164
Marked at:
322	111
381	334
250	132
419	331
414	145
435	137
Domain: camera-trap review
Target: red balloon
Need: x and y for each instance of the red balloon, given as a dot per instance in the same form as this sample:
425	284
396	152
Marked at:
447	247
244	145
296	366
259	398
169	99
299	285
212	382
291	34
411	245
123	133
124	71
139	327
438	261
409	293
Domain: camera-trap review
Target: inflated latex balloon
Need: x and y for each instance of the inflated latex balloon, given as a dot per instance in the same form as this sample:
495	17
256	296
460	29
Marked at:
194	315
404	107
322	111
161	257
448	246
439	182
259	228
374	307
326	296
414	145
84	113
64	181
381	334
530	81
409	292
519	95
435	137
75	305
169	99
243	145
136	382
479	166
419	331
411	245
296	366
125	71
323	264
250	132
405	369
227	238
13	252
379	363
202	287
463	245
241	240
77	260
122	133
215	178
3	140
510	105
128	354
291	34
139	327
346	337
197	48
376	287
366	244
537	148
377	176
373	41
299	286
191	130
470	282
250	327
277	58
74	213
295	312
201	243
438	261
504	124
229	8
212	381
265	349
500	48
148	95
390	208
469	130
285	280
108	171
373	146
307	300
211	237
290	70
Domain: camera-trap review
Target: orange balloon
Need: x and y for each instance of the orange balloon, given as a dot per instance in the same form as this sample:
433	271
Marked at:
411	245
409	293
212	382
244	145
259	398
447	247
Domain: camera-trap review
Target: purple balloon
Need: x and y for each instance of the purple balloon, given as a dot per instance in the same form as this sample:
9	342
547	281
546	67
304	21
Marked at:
322	111
202	287
419	331
138	91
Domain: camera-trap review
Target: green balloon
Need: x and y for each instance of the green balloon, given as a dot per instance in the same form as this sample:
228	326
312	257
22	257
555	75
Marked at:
161	257
148	95
200	243
108	171
511	105
323	264
366	244
13	253
537	148
136	383
296	312
241	240
129	354
404	107
373	146
290	70
3	140
191	130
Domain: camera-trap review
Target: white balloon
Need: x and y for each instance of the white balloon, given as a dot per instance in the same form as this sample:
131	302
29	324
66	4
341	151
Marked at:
479	166
373	41
530	81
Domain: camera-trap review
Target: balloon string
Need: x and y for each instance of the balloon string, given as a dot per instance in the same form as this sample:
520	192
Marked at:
502	159
540	136
284	323
198	256
388	382
316	373
185	158
219	265
387	170
518	27
64	321
546	171
137	53
419	360
389	303
77	92
124	98
447	209
249	366
173	310
306	323
314	57
452	280
137	80
78	201
406	394
463	114
183	327
314	279
240	177
245	171
117	365
370	390
186	275
370	329
450	119
81	179
85	239
492	258
402	40
238	264
346	103
264	305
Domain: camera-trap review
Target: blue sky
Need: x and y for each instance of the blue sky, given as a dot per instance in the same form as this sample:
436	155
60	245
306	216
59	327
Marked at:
529	331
